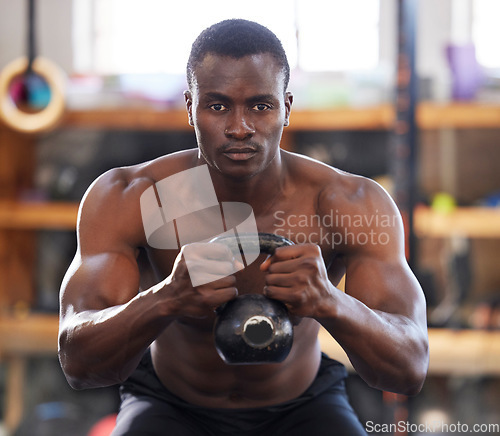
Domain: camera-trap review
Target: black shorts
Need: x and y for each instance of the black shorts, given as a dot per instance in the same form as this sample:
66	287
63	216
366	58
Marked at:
149	409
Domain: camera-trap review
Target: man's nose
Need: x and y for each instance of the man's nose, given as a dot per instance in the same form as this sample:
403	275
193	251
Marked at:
239	126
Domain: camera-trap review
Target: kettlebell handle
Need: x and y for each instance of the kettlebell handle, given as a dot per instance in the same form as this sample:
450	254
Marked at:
268	242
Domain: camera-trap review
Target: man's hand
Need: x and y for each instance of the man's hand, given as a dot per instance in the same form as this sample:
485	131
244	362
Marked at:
297	276
211	263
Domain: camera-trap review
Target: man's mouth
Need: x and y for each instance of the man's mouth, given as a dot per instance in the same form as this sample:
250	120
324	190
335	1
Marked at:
239	153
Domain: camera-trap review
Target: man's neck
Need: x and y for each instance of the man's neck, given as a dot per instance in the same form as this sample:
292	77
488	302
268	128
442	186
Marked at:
259	191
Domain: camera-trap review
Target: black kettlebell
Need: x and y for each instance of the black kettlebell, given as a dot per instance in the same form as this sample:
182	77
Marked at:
253	328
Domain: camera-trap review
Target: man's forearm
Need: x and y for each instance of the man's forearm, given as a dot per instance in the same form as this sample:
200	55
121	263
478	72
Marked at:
389	351
102	347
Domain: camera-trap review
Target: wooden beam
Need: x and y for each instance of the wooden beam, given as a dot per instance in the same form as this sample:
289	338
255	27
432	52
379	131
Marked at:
343	118
473	222
452	352
32	334
129	118
24	215
429	115
458	115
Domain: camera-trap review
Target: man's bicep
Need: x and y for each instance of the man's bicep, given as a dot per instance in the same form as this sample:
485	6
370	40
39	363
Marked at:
386	284
98	281
104	271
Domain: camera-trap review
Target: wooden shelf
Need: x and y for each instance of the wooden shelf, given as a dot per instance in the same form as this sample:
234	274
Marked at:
28	335
429	116
128	118
381	117
474	222
452	352
35	216
458	115
369	118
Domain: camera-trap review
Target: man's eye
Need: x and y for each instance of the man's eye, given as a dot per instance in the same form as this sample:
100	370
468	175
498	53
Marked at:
218	107
261	107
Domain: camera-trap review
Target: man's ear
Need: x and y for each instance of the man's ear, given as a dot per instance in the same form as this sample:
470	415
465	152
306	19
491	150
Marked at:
189	106
288	107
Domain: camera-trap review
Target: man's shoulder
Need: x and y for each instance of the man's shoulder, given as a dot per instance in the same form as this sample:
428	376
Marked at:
339	188
138	177
330	178
306	169
123	186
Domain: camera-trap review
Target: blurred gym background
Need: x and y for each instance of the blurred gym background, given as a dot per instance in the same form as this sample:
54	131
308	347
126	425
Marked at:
403	91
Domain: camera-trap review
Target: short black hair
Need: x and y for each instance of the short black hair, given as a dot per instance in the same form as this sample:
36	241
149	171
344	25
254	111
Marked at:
236	38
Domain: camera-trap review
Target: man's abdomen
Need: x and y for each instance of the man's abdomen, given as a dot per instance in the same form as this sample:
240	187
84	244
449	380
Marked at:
188	365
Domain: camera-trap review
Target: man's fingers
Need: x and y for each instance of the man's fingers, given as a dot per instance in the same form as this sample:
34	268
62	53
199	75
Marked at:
220	268
238	266
282	280
214	298
213	251
280	293
284	266
289	252
208	262
278	262
264	266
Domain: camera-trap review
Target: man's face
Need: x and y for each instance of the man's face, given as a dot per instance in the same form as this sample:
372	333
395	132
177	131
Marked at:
238	108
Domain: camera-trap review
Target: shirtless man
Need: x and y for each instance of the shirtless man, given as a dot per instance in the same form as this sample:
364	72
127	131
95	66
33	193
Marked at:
155	337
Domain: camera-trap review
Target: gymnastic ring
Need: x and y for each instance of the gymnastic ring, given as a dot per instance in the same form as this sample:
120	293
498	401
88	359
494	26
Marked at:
46	118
